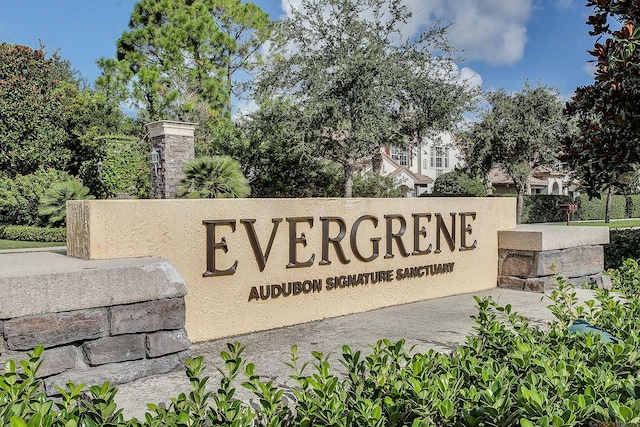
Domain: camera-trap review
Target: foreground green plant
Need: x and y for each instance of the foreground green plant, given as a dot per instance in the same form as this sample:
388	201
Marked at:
507	373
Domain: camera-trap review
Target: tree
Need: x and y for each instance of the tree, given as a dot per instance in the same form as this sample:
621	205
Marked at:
217	177
459	183
360	82
32	133
375	185
608	111
518	132
276	159
183	54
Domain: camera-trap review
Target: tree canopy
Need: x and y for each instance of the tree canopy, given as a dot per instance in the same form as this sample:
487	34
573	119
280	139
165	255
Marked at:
182	56
608	111
360	81
517	132
32	132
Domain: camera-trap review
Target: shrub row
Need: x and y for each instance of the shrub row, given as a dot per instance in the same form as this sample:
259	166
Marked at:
33	234
508	374
595	209
544	208
623	244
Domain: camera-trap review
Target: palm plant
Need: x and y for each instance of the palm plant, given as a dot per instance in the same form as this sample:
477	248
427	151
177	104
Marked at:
216	177
53	203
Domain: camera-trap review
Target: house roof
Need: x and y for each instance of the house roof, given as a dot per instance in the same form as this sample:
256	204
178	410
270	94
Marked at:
499	176
418	179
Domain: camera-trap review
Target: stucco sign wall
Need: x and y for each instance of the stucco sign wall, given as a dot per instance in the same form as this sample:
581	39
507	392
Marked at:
256	264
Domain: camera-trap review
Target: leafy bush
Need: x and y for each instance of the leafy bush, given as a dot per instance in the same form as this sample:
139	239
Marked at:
623	244
507	374
20	196
594	209
635	206
544	208
53	204
124	168
33	234
375	185
458	183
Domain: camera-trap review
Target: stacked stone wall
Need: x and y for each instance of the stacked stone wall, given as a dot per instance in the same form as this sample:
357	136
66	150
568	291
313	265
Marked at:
123	328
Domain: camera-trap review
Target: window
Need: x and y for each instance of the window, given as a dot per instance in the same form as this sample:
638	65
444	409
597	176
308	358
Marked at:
425	164
400	156
439	157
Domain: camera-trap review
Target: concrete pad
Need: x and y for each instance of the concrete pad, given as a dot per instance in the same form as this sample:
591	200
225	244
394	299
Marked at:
542	237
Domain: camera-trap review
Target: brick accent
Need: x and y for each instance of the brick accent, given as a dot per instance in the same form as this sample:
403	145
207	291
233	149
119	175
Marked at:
166	342
56	329
120	348
148	316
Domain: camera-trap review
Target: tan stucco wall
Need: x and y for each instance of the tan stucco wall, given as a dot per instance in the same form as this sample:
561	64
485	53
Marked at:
219	306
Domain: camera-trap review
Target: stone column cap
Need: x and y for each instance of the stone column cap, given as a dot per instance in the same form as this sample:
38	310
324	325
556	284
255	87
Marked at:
171	127
545	237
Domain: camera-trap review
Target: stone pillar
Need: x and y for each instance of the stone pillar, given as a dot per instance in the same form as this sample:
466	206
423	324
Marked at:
174	143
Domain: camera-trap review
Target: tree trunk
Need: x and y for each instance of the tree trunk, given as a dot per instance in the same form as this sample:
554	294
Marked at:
607	212
376	162
520	203
348	179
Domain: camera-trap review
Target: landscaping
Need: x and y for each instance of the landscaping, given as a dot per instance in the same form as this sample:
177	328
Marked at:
507	374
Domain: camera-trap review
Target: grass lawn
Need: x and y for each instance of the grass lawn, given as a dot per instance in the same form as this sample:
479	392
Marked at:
16	244
615	223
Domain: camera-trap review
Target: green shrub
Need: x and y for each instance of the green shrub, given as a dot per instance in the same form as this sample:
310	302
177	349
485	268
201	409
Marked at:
53	204
635	206
375	185
594	209
33	234
458	183
20	196
124	170
623	244
507	374
544	208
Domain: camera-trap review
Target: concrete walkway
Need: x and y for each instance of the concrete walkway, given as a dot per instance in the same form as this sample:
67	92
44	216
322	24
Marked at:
440	324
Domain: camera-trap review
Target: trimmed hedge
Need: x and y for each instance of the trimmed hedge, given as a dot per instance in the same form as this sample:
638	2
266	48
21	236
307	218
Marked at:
594	209
624	243
544	208
33	234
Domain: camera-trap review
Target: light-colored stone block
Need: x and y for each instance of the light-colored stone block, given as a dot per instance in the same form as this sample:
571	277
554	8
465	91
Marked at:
47	282
542	237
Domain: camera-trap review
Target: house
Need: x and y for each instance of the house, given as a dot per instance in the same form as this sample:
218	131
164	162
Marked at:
545	180
417	167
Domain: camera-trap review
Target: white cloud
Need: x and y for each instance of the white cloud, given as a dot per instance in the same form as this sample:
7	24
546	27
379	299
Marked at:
564	4
244	107
590	68
493	31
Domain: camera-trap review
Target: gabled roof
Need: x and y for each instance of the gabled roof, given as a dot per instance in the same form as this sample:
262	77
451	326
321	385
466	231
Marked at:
417	178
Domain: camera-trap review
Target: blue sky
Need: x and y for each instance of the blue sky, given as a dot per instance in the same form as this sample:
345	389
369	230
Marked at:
503	42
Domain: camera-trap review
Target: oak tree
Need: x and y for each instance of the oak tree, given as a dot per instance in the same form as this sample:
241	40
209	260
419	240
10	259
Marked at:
518	132
360	80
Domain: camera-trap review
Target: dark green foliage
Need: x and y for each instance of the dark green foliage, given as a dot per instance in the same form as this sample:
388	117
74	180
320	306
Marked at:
277	159
216	177
33	234
32	130
458	183
606	147
544	208
594	209
125	171
623	244
375	185
20	196
53	206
